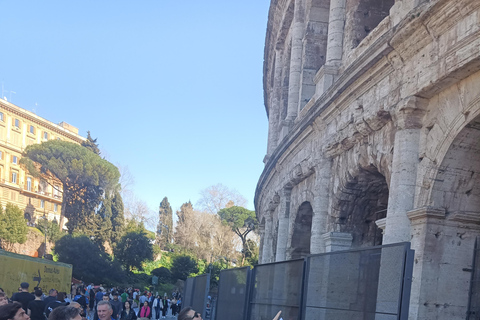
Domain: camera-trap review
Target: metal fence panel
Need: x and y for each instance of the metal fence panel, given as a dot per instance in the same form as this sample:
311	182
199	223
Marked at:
188	292
359	284
233	294
277	286
473	312
196	293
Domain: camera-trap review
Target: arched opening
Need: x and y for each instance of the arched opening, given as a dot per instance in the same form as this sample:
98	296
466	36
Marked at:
363	17
451	241
457	185
302	231
362	201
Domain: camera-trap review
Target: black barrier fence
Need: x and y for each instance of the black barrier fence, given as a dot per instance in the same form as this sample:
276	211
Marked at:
196	293
370	283
233	292
473	312
275	287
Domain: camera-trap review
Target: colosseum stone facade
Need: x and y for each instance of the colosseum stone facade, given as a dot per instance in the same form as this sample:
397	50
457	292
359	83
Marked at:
374	137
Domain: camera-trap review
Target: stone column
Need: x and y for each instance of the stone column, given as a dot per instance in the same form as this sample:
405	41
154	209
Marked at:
261	232
267	252
283	225
327	283
401	196
275	106
444	249
336	28
325	77
294	80
323	173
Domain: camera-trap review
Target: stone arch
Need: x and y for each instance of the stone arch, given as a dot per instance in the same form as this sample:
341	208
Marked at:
302	231
453	224
436	149
456	187
361	201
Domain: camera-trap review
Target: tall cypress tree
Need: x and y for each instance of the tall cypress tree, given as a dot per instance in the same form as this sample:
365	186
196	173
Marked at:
91	144
118	218
165	223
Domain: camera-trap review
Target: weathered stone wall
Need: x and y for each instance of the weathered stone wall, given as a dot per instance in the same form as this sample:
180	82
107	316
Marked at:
34	246
374	136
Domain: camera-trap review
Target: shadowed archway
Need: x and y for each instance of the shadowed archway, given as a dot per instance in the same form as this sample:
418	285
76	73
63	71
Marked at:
302	231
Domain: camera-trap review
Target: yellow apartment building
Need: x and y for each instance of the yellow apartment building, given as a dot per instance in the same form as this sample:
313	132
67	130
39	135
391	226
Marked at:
20	128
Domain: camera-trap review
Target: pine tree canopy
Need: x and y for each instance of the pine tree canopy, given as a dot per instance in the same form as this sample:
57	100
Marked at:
85	176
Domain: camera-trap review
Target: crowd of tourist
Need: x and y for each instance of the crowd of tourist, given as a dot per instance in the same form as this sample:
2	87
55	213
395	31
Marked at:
93	303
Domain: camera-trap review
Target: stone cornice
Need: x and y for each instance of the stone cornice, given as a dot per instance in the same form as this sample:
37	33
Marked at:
30	116
439	216
466	217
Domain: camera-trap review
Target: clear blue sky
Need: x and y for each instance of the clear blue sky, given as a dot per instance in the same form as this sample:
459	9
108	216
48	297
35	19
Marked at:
172	89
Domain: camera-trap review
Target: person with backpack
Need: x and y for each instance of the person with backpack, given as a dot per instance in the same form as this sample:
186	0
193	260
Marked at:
81	299
55	304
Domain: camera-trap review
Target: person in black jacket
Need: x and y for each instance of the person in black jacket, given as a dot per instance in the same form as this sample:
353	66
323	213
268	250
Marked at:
36	307
128	313
23	296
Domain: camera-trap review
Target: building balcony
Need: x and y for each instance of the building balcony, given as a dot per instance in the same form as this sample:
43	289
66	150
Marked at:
41	194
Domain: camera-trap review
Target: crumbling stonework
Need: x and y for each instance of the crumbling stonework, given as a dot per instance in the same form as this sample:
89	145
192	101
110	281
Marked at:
374	137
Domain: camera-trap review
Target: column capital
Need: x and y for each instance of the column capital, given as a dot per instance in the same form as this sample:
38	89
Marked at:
287	192
419	215
409	113
382	224
273	204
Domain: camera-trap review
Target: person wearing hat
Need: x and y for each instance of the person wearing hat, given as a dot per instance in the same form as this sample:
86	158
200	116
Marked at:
23	296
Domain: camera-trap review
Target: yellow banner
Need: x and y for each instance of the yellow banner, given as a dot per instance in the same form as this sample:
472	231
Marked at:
46	274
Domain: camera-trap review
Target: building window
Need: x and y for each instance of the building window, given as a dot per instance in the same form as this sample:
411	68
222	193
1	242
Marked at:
45	135
2	116
42	204
16	122
55	207
14	159
29	184
14	176
31	129
1	155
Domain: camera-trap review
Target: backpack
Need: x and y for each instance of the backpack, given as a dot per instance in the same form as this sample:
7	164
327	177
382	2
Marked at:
52	305
82	301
